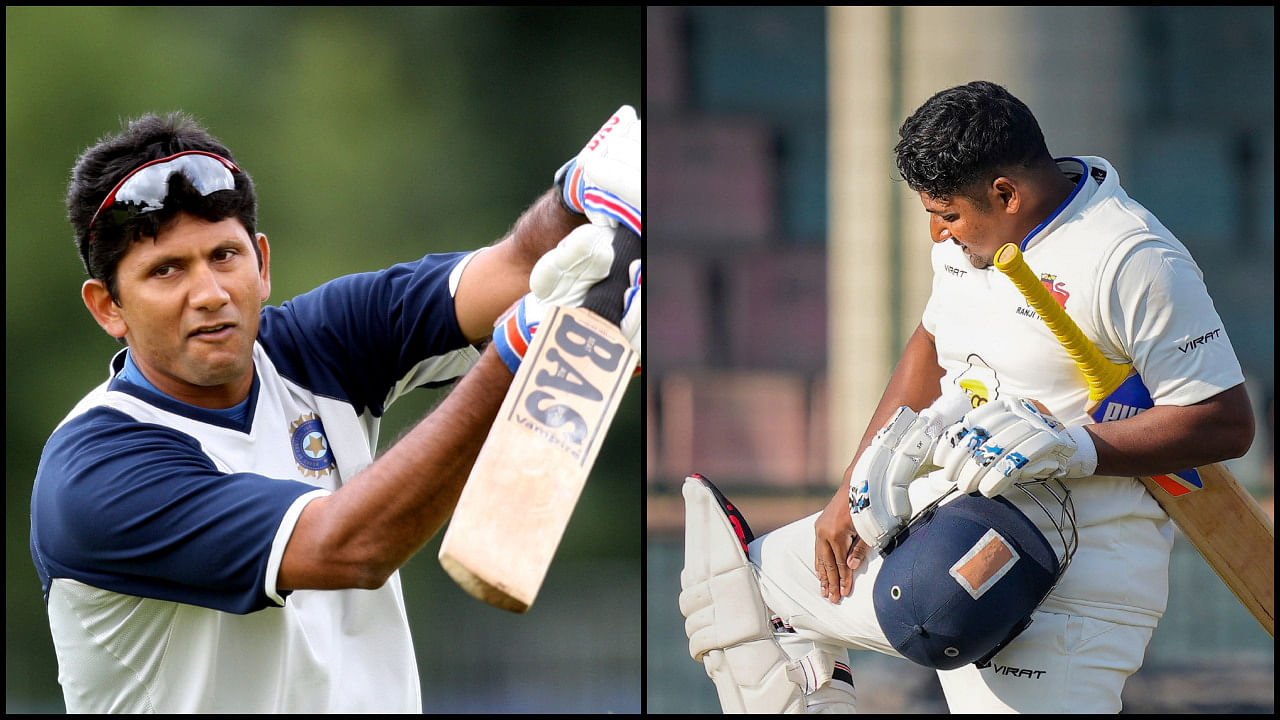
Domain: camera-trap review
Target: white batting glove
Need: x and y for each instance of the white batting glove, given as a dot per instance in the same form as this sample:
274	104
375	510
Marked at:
878	499
633	312
1011	440
604	180
561	277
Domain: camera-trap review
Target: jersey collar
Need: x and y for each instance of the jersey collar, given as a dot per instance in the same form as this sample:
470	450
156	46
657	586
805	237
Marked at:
239	418
1079	197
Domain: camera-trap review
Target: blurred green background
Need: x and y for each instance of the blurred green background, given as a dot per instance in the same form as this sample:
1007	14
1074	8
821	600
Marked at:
374	135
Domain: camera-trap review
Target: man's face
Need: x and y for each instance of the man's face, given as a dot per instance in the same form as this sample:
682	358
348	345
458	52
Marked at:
980	229
188	307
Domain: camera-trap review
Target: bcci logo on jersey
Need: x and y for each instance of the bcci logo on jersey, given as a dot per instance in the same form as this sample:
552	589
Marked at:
310	446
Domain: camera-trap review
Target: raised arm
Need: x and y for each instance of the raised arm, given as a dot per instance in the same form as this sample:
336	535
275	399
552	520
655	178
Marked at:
499	276
359	535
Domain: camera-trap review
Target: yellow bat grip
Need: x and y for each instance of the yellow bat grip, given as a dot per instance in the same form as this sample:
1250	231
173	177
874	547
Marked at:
1102	375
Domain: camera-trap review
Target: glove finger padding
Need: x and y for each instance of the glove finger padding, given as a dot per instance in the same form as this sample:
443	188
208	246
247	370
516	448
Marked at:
1029	453
1003	442
616	166
565	274
878	498
604	180
956	445
963	440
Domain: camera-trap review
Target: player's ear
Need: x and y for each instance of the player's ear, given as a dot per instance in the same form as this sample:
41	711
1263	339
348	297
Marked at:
264	265
103	307
1005	195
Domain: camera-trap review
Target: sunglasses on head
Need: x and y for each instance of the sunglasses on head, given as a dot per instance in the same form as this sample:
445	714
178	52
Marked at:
144	189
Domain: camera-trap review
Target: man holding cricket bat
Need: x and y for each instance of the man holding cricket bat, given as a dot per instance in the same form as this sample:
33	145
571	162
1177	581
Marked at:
210	526
1001	407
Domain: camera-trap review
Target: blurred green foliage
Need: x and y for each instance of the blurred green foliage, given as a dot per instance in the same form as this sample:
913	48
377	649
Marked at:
374	135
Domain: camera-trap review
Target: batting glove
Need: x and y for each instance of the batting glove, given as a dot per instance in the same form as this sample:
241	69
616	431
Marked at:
561	277
632	312
878	499
1012	440
603	181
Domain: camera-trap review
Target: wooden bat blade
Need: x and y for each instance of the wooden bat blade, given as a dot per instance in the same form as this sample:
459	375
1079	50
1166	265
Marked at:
1215	513
526	481
1233	534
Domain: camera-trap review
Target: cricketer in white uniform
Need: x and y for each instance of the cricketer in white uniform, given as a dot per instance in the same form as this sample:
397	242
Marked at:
1106	252
1134	290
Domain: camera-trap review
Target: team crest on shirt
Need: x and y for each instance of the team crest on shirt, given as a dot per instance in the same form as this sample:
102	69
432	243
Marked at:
1056	287
310	446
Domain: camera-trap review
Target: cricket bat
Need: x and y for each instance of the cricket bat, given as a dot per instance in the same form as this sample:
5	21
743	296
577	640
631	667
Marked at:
526	481
1220	518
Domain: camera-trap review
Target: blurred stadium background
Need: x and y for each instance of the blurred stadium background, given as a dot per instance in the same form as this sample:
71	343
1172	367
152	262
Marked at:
791	268
375	135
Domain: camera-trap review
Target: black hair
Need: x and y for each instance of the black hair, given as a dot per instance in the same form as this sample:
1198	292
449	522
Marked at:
147	138
961	138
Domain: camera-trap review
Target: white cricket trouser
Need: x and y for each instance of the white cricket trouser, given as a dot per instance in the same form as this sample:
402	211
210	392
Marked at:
1060	664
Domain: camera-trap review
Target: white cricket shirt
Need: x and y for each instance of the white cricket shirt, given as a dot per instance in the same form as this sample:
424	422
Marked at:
1135	291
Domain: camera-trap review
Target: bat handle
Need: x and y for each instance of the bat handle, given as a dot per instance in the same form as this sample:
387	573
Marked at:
1102	375
605	297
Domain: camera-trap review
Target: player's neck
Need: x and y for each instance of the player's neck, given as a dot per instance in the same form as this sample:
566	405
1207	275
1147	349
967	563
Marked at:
215	397
1052	189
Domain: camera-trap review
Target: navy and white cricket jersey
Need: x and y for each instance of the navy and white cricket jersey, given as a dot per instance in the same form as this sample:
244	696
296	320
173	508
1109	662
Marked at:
157	528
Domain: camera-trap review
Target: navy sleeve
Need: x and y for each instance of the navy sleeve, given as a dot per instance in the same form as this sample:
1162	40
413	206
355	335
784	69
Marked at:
139	509
354	338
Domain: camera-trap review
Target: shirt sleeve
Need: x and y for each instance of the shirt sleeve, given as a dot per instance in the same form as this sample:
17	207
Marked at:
139	509
356	337
1167	325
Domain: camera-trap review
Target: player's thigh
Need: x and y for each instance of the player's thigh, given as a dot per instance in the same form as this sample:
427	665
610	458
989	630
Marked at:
1060	664
792	590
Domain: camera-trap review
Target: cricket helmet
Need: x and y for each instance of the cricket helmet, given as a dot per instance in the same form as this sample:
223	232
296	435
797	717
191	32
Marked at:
961	580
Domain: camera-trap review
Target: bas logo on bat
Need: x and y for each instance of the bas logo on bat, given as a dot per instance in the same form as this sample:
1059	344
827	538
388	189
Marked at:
527	478
559	400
